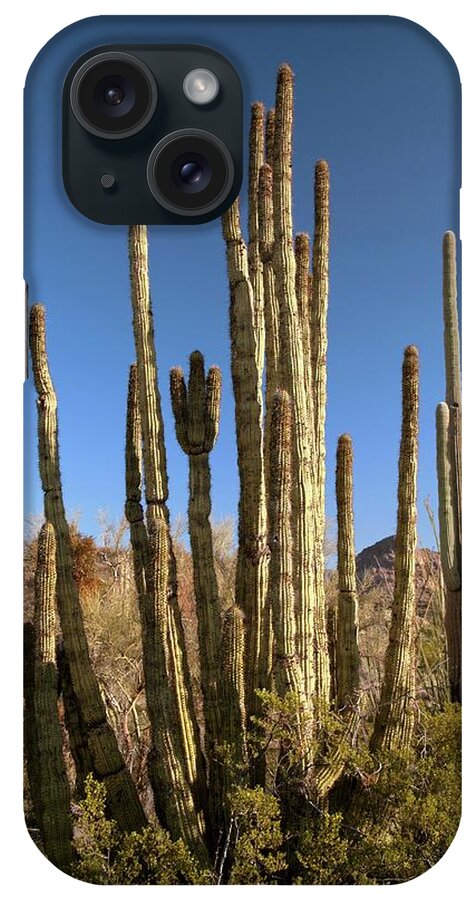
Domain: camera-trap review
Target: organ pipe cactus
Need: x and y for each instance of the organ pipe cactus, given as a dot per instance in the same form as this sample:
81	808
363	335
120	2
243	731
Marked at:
172	695
54	819
319	289
274	634
107	761
347	647
396	713
252	561
287	670
255	265
448	444
233	713
30	742
271	305
292	378
197	414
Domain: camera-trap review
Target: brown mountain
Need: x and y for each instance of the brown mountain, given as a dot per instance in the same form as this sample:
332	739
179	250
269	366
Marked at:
375	569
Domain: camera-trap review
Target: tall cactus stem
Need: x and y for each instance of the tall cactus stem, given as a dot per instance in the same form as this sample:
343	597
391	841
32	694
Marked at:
450	561
269	136
55	819
449	467
293	379
197	415
347	646
287	669
156	491
255	265
396	713
122	797
318	335
232	665
168	706
252	560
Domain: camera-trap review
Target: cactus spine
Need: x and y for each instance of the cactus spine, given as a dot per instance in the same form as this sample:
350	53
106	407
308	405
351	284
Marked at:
448	444
347	646
106	758
395	717
170	697
55	822
197	416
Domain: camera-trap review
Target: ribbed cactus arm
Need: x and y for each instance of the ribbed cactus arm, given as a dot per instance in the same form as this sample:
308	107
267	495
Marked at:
55	818
347	647
450	319
251	571
101	742
449	560
449	440
292	377
396	714
171	644
255	265
232	665
172	762
155	472
197	415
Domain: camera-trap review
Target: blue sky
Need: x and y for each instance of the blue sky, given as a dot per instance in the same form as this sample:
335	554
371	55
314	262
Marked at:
379	99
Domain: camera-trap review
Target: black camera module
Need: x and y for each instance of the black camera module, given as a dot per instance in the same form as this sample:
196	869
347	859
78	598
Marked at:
190	172
140	144
113	95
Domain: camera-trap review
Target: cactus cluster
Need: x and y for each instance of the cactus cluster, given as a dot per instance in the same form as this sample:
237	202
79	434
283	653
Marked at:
278	635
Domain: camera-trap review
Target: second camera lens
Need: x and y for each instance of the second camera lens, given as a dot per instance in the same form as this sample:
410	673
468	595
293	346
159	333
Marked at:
190	172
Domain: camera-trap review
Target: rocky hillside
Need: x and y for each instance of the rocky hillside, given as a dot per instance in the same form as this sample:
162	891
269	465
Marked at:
375	568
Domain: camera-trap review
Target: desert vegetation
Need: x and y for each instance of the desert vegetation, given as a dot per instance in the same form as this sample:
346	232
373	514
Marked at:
221	714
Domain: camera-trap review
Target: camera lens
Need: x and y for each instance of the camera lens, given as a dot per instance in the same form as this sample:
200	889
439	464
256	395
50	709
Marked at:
190	172
113	95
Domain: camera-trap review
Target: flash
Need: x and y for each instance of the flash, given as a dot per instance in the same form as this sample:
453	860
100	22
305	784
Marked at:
200	86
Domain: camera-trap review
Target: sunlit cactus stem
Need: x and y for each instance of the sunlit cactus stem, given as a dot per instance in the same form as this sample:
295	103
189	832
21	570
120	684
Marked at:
255	265
396	713
232	664
197	413
55	817
449	547
449	419
347	638
108	764
292	377
318	305
287	669
269	136
187	802
252	561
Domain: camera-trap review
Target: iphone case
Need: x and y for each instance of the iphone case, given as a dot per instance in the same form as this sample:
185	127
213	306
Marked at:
242	552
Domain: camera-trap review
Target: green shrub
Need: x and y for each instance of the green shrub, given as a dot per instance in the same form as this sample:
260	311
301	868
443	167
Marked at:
257	857
322	852
412	813
104	855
